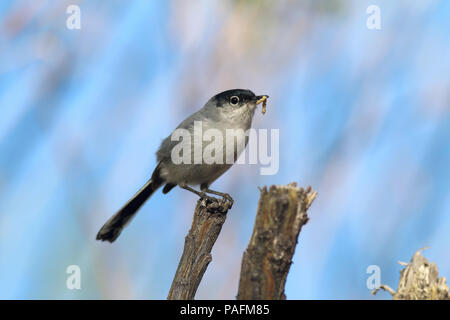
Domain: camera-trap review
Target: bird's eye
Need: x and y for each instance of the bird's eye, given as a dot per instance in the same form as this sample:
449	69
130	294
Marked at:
234	100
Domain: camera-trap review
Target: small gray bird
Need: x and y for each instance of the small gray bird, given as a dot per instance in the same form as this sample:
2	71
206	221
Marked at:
231	109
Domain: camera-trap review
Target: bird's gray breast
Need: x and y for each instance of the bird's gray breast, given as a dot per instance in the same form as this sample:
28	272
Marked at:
217	138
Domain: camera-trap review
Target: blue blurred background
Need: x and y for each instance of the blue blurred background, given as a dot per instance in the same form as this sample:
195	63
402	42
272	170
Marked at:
364	118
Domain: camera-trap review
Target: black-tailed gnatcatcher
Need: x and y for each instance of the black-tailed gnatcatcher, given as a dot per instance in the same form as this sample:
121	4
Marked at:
228	111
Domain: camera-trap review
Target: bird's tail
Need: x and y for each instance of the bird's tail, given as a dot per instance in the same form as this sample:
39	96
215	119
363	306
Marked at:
114	226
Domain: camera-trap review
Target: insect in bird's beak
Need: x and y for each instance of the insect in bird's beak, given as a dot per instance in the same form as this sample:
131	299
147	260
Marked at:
262	99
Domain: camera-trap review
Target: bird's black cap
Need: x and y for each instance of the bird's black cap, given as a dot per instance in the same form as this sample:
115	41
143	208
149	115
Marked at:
243	94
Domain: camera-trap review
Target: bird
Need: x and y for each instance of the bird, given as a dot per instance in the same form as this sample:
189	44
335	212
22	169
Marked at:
228	110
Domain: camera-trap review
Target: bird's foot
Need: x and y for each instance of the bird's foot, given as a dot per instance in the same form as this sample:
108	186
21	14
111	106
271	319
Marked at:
208	199
227	197
216	205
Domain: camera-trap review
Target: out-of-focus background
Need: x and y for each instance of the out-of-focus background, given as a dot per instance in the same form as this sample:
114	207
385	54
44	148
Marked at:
364	118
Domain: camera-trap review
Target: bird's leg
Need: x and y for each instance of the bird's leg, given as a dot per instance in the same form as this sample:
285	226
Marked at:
225	196
201	194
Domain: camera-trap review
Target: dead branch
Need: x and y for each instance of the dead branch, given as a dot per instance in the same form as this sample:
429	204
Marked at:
206	225
419	281
282	212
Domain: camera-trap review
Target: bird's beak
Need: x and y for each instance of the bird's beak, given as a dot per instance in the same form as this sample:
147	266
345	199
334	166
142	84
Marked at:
260	99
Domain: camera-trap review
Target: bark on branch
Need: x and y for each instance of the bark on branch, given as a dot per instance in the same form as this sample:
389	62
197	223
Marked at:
208	220
282	212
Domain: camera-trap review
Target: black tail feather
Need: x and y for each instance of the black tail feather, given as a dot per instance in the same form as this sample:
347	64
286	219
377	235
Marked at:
114	226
